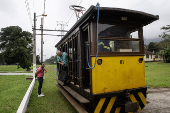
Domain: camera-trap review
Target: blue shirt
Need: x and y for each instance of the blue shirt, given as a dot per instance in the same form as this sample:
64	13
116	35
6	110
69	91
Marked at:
63	59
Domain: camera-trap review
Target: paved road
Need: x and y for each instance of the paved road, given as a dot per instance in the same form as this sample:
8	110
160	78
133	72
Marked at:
159	101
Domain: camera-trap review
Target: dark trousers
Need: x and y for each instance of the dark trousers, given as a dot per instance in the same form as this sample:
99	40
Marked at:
65	68
63	76
40	80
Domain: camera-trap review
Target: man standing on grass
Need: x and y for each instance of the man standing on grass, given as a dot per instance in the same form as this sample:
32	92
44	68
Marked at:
40	75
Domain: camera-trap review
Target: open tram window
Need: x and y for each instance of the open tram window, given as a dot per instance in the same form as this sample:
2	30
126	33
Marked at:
70	60
75	46
85	70
106	30
114	38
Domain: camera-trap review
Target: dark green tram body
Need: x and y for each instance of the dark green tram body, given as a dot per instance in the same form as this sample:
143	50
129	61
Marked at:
106	88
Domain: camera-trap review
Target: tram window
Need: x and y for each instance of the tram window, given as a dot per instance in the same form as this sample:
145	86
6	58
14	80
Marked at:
118	46
70	53
106	30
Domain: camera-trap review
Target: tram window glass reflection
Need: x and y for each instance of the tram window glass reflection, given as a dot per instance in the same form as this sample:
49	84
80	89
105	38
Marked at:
70	53
106	45
106	30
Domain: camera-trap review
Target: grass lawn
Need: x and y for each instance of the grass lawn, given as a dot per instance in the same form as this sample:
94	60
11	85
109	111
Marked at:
12	68
157	74
53	102
12	91
52	66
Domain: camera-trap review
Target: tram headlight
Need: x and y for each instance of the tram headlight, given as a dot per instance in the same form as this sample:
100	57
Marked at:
99	61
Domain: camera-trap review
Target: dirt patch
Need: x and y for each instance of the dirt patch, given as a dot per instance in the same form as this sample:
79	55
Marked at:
158	90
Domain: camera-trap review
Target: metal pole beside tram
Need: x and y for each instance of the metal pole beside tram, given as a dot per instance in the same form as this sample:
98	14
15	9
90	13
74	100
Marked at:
34	46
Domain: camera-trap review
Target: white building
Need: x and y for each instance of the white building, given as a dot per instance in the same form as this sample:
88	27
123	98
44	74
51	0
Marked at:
151	56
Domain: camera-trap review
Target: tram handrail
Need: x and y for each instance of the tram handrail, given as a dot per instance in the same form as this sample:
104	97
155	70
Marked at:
97	41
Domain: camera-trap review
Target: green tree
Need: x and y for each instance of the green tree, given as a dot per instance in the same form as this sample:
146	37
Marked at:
16	46
145	46
1	60
152	47
166	55
166	42
165	34
51	60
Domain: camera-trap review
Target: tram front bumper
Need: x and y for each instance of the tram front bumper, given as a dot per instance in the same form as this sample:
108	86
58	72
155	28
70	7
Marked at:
131	107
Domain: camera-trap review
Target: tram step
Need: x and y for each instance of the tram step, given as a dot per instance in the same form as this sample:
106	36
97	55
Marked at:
77	96
76	105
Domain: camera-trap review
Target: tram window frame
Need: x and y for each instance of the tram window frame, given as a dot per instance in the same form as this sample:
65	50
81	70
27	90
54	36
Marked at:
140	39
86	72
75	49
70	59
124	31
126	45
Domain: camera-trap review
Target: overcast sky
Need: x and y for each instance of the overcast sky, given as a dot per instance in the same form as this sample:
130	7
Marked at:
16	13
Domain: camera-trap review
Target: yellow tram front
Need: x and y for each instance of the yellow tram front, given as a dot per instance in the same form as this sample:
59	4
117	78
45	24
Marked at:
119	68
118	79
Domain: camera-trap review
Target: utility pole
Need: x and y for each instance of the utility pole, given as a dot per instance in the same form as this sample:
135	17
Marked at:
41	39
34	46
62	24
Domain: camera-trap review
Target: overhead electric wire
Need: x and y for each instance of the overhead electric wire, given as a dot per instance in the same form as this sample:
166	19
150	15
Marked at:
65	19
52	45
28	11
80	2
138	4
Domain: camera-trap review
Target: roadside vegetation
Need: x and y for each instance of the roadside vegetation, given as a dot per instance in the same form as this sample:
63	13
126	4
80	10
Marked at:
157	74
12	91
11	68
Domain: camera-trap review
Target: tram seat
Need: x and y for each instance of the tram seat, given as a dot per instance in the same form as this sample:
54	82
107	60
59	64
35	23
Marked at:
125	50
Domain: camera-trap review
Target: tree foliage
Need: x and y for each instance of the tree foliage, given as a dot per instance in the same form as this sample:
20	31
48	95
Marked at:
152	47
165	34
16	46
51	60
166	54
166	42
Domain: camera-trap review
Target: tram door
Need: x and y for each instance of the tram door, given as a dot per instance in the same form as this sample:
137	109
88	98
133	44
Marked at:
84	71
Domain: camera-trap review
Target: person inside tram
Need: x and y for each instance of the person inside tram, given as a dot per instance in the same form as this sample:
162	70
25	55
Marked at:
104	46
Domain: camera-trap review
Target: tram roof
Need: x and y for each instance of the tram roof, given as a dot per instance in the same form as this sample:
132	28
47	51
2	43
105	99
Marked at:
114	14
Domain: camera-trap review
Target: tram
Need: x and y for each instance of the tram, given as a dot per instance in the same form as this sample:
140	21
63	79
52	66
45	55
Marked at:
116	84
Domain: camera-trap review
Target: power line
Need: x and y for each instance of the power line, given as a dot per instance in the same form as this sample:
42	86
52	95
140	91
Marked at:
138	4
28	11
62	24
52	46
80	2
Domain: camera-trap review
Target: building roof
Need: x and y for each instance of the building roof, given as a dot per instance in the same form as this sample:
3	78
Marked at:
149	52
